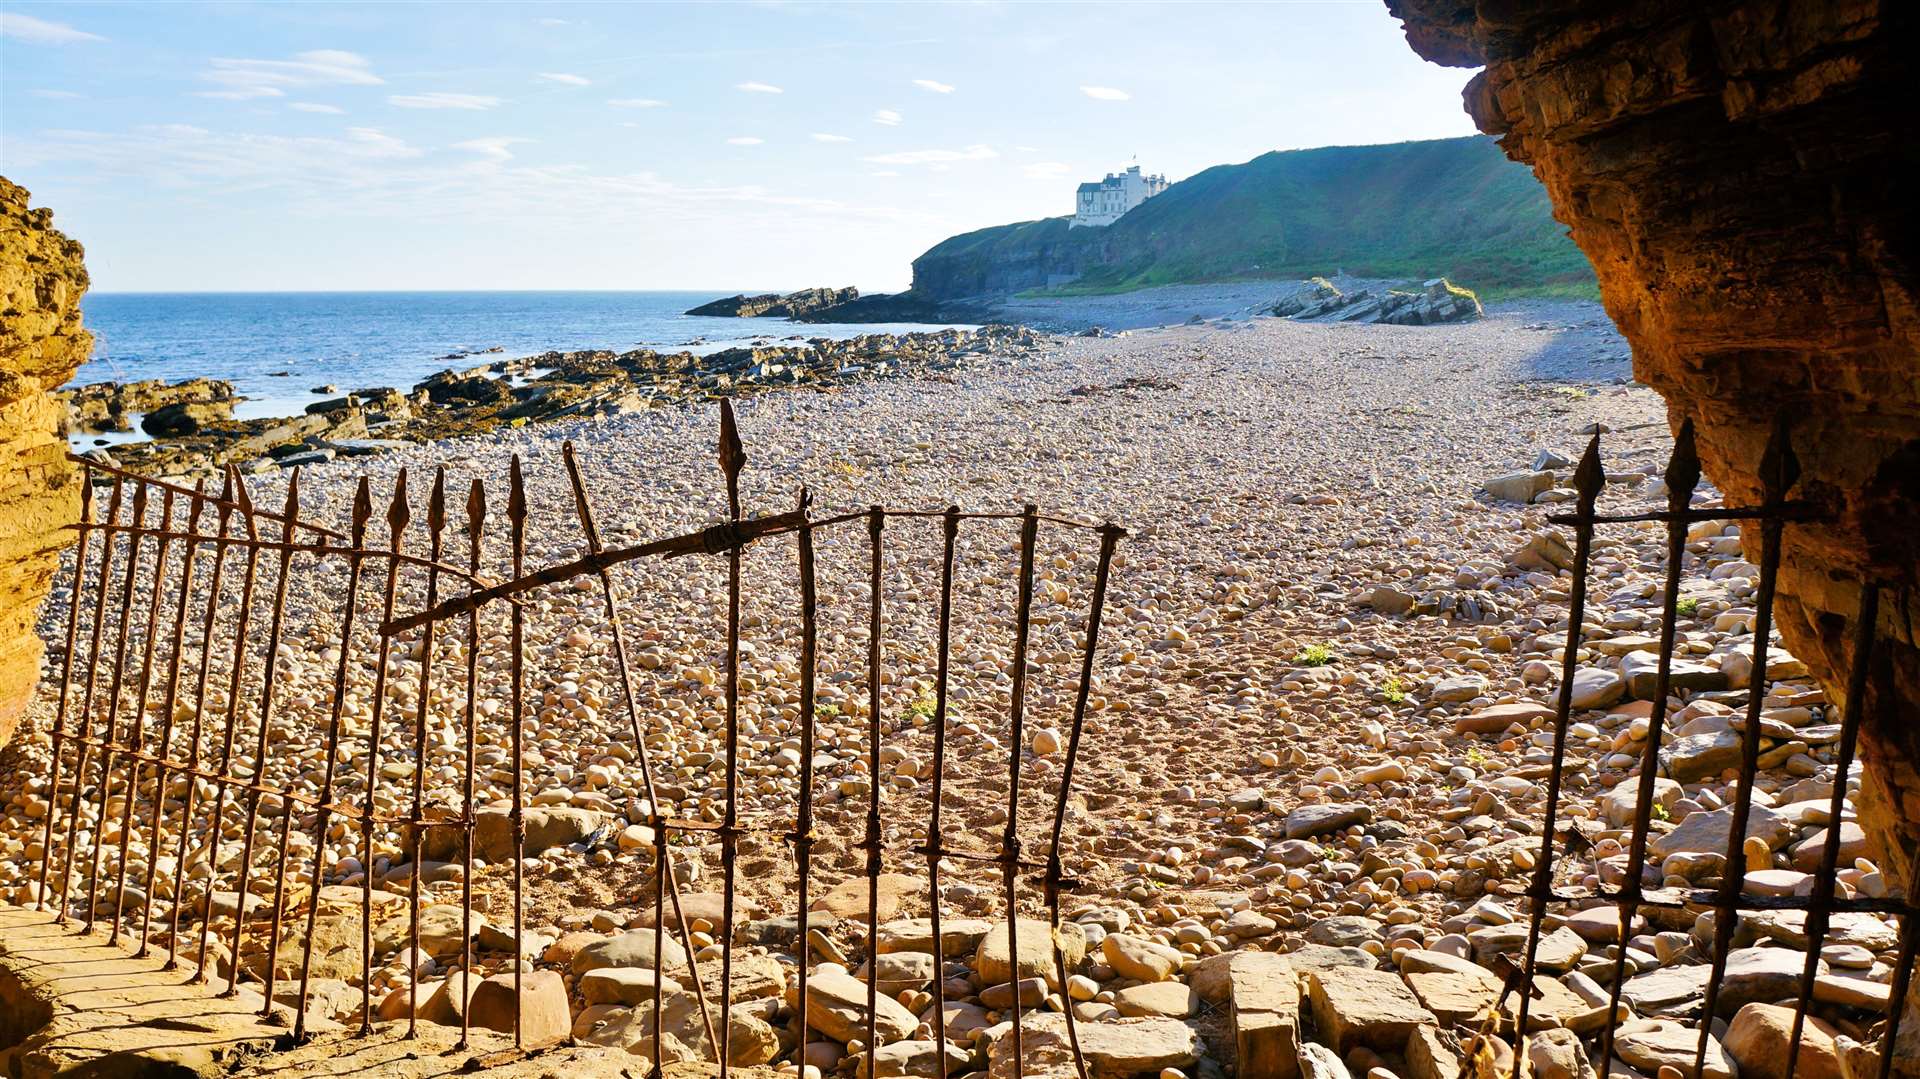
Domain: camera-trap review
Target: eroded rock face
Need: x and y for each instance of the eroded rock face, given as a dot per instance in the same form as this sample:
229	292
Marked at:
1738	171
41	343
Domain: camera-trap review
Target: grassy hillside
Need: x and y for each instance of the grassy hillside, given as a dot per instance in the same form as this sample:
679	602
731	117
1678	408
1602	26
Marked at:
1452	207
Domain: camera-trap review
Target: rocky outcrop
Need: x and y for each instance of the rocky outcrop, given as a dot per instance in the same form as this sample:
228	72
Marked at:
1739	173
112	406
772	305
598	382
41	344
1436	301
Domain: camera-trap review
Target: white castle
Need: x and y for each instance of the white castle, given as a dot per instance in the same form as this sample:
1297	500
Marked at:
1103	203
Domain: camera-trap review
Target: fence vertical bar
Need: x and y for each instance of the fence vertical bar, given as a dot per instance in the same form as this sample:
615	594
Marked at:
269	664
66	683
1820	907
733	458
1588	479
137	727
1902	968
876	522
1682	476
1778	471
115	685
417	826
476	523
86	705
356	552
803	812
1055	879
1017	709
399	512
950	535
220	545
231	719
664	883
517	523
168	704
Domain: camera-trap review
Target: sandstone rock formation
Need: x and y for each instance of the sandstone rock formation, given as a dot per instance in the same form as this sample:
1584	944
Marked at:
1737	172
41	343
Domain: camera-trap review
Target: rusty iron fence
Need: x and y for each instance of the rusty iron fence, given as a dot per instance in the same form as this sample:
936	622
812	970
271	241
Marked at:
1777	510
142	619
142	628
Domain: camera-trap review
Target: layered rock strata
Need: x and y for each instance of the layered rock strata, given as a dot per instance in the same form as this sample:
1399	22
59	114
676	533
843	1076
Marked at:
1739	174
41	343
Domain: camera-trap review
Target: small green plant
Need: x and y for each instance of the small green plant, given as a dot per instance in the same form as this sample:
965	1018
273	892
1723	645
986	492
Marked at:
1314	655
1660	812
1394	690
922	708
1475	755
826	710
1687	607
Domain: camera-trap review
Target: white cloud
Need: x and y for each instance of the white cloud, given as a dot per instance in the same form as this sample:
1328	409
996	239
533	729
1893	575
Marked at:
57	95
1045	170
366	174
936	87
1106	93
887	117
309	106
40	31
933	157
884	173
473	102
245	93
493	147
244	80
820	136
758	88
744	140
564	79
553	22
636	103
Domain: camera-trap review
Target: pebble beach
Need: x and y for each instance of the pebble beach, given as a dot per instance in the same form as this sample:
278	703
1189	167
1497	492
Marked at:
1319	728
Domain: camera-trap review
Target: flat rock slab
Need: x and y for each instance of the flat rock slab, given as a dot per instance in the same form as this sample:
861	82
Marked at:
993	959
958	936
837	1007
1308	821
1265	996
1373	1008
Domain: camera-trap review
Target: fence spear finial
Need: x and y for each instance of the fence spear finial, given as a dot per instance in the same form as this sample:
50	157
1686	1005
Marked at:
362	512
1683	468
437	502
1591	476
516	490
476	509
399	512
1779	466
733	456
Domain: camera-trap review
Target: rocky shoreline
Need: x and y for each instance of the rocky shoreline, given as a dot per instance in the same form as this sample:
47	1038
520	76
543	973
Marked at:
194	432
1309	798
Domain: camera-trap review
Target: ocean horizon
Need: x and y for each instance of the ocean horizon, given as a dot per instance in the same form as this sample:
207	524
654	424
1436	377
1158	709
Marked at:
278	348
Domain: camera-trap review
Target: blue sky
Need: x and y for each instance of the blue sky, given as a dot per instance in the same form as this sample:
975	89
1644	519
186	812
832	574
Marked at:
634	146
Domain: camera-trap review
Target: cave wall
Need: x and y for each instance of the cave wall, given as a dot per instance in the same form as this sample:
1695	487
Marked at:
1742	174
41	343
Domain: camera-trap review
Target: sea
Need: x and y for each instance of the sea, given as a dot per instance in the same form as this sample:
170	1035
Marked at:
278	348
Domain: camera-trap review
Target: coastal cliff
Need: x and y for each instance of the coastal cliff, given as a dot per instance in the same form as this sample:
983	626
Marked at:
1444	207
41	343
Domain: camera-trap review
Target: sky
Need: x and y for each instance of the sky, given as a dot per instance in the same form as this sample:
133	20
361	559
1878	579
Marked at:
376	146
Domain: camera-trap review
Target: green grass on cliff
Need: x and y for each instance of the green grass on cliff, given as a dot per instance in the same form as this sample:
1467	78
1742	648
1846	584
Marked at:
1449	207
